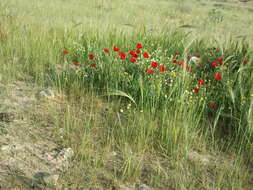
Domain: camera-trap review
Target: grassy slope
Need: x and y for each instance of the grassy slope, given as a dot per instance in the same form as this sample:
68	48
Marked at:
33	32
128	15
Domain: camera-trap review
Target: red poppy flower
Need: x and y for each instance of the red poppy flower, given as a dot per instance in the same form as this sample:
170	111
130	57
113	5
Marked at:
162	68
218	76
133	59
138	51
93	65
76	63
201	82
154	64
196	90
106	50
139	46
145	55
65	52
197	56
122	55
220	60
174	61
115	48
212	105
91	56
214	64
150	71
133	54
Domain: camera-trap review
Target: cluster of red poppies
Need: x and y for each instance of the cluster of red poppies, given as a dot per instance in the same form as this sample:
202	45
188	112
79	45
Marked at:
138	55
134	54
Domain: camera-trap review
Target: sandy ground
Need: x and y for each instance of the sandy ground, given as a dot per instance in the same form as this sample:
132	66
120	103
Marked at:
28	158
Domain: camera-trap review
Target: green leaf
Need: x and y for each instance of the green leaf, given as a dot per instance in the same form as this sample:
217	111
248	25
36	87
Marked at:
113	92
244	68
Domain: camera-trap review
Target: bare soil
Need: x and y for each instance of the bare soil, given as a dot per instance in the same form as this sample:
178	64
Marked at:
29	159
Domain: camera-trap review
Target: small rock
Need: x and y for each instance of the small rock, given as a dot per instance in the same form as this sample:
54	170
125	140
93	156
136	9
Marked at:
143	187
66	153
60	160
45	94
196	157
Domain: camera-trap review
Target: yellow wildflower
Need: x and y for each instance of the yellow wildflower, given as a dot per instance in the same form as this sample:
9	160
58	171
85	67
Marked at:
173	74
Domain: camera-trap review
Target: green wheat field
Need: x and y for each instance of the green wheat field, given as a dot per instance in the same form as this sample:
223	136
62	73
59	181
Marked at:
149	82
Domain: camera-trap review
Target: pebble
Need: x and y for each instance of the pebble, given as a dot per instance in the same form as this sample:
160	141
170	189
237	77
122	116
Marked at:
143	187
45	94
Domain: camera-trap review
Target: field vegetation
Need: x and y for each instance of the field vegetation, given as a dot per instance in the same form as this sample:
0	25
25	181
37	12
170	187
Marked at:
148	84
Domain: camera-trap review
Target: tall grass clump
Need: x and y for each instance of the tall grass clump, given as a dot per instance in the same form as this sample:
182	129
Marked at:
196	84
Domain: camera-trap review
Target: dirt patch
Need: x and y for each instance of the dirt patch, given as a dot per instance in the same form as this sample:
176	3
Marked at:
28	160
